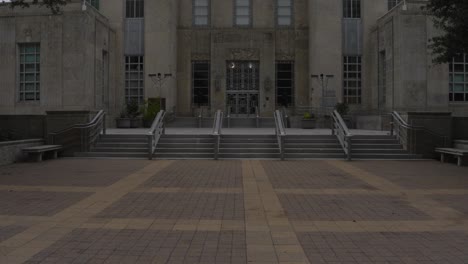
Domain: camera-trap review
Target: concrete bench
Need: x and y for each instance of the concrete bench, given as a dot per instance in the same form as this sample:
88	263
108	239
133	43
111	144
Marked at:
39	151
460	154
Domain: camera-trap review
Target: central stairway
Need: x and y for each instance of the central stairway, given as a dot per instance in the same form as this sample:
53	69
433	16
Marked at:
185	147
249	147
312	147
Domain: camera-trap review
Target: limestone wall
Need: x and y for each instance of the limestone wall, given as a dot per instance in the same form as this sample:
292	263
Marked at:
11	151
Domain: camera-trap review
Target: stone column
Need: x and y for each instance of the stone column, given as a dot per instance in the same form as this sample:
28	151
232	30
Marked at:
325	48
161	48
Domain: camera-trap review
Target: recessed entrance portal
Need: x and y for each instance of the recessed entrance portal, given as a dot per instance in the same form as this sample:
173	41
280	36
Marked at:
242	87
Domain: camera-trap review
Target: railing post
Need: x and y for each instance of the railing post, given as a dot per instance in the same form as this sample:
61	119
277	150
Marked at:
282	147
392	127
150	146
349	147
104	124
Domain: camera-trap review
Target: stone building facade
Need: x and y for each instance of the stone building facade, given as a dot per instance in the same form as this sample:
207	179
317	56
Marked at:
240	56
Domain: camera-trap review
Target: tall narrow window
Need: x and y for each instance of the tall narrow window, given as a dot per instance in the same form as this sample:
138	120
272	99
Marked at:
393	3
284	13
458	79
284	83
243	13
134	8
134	79
352	79
352	8
200	83
29	72
201	12
94	3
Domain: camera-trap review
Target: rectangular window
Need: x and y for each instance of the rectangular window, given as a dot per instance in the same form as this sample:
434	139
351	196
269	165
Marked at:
352	82
382	78
201	83
352	8
458	79
201	12
134	79
134	8
29	72
393	3
93	3
284	83
243	13
284	13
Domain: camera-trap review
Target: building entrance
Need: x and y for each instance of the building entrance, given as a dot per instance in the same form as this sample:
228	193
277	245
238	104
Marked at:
242	87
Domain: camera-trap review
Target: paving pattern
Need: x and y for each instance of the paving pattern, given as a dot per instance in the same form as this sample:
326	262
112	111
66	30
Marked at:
136	211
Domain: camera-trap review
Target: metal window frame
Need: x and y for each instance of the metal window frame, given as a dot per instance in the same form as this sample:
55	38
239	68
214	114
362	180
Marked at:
235	16
134	13
346	97
208	88
194	24
392	3
293	82
354	4
94	3
37	72
277	16
452	81
141	89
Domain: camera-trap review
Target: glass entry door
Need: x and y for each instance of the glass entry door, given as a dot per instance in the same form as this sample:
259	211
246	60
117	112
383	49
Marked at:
242	87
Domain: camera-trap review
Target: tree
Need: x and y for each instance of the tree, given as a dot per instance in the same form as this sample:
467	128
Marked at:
451	17
53	5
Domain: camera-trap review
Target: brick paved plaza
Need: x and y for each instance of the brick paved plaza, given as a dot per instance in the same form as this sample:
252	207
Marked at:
137	211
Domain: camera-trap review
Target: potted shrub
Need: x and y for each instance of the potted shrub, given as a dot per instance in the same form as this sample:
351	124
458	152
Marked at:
133	112
123	121
129	117
308	121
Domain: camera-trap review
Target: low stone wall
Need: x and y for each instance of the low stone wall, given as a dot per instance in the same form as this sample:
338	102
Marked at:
11	151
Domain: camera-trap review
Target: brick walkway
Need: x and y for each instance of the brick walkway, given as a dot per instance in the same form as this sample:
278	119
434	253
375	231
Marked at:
136	211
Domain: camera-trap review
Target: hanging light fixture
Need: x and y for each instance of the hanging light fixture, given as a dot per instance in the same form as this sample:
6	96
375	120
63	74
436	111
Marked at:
233	65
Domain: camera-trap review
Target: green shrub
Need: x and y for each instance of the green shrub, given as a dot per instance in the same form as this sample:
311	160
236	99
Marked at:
342	108
308	115
132	108
151	109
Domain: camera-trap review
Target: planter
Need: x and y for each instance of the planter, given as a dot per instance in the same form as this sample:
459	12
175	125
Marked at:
147	123
136	122
308	123
123	122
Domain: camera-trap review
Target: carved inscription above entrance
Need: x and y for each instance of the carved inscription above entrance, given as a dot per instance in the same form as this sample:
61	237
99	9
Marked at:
244	54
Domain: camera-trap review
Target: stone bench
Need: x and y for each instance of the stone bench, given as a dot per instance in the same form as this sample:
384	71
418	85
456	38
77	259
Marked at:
460	154
39	151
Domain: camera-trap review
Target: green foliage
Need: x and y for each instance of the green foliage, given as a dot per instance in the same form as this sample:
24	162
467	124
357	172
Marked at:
342	108
151	109
451	17
132	108
308	115
53	5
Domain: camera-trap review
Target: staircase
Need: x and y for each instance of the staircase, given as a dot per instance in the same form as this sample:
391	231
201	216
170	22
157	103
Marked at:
185	147
118	146
249	147
312	147
379	147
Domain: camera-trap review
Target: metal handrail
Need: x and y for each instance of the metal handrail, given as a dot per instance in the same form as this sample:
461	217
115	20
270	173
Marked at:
257	117
200	118
88	133
405	133
280	132
340	129
155	132
217	126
